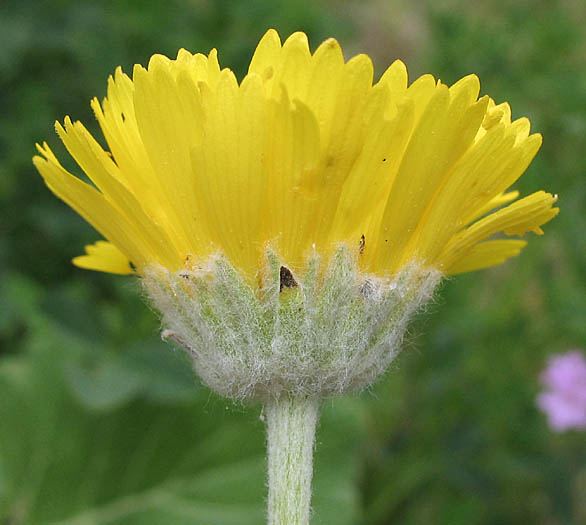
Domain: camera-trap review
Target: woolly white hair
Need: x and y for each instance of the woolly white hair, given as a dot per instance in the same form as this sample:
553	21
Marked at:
324	332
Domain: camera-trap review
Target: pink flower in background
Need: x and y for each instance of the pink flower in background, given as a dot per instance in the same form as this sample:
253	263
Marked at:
564	401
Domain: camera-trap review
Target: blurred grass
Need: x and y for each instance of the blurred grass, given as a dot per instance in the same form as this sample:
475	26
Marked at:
450	436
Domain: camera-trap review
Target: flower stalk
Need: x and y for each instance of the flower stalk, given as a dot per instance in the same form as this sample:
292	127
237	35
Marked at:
291	424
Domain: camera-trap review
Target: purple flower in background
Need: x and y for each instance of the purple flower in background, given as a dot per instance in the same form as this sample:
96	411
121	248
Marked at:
564	401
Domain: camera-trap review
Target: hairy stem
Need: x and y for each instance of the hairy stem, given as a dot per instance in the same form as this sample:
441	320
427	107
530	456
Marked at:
291	424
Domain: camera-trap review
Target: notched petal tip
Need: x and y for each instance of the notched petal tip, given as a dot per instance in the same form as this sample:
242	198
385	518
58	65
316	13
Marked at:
47	155
138	71
213	57
184	54
95	104
227	80
40	148
159	61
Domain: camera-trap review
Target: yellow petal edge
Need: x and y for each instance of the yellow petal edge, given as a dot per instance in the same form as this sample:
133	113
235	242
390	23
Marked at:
303	154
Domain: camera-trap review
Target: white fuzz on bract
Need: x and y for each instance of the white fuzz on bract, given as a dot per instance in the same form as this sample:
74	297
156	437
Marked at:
322	333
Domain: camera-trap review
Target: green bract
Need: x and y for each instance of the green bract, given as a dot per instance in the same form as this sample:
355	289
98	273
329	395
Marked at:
320	332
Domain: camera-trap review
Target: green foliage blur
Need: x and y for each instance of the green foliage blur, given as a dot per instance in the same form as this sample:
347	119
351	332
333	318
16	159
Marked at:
102	423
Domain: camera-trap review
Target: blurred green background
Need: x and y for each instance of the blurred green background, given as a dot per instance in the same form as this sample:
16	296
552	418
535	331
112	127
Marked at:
102	423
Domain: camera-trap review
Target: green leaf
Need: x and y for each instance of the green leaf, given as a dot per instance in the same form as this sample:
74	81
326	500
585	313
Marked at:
96	446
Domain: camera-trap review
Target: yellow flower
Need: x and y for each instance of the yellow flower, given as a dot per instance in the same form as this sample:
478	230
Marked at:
304	154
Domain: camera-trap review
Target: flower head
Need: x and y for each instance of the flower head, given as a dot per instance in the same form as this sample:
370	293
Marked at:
564	401
303	154
288	225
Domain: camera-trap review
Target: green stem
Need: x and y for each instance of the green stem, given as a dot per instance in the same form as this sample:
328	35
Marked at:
291	424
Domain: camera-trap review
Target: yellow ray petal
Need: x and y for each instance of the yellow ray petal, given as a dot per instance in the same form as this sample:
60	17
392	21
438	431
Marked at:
118	122
170	128
266	55
463	190
104	257
420	92
436	144
228	167
395	79
94	208
486	254
518	218
99	167
367	187
496	202
293	69
466	89
198	67
252	176
490	166
521	128
327	70
412	188
304	154
292	149
345	144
